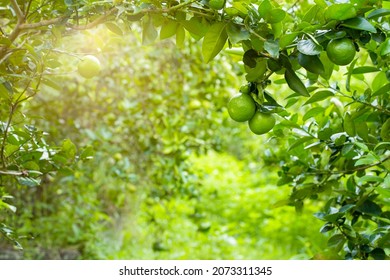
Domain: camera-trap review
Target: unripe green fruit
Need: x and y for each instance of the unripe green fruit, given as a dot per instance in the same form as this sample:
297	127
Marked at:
241	107
89	66
261	123
341	51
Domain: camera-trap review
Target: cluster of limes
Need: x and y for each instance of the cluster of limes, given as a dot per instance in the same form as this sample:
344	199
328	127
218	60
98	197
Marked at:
242	108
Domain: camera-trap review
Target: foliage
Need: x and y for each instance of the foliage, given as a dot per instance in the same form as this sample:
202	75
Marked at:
333	120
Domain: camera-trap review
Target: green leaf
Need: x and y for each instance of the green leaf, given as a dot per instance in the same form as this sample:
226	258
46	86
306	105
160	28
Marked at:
275	16
241	8
359	23
349	231
349	125
385	192
3	92
364	69
313	112
378	13
249	58
69	148
382	90
196	27
362	146
272	47
366	160
255	74
287	39
318	96
51	83
311	63
312	13
87	153
168	29
346	207
349	75
234	51
327	227
214	41
217	4
328	66
114	28
309	47
385	47
149	32
264	8
333	217
295	83
336	241
385	130
370	178
371	208
378	254
6	205
180	36
10	149
325	133
278	29
236	33
300	142
29	182
340	12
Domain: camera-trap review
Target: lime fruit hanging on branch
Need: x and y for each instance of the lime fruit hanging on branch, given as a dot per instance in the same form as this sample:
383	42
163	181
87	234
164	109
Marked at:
89	66
241	107
261	123
341	51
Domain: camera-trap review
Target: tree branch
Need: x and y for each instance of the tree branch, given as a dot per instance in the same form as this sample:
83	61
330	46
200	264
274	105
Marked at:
18	11
10	172
94	23
102	18
42	23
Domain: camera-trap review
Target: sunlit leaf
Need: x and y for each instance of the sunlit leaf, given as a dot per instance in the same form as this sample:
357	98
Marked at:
295	83
214	41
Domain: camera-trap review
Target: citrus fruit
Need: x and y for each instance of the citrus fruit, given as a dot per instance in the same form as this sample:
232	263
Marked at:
195	104
341	51
89	66
261	123
241	107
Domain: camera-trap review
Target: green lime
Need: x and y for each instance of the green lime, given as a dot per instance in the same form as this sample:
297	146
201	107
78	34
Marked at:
89	66
341	51
261	123
241	107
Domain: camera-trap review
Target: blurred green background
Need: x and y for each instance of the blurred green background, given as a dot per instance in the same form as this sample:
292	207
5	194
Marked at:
161	170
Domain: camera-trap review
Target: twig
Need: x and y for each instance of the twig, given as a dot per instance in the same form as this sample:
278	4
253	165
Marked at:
10	172
42	23
18	11
363	167
94	23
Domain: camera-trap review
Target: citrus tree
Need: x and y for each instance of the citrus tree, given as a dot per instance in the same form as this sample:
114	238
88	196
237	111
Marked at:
317	82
